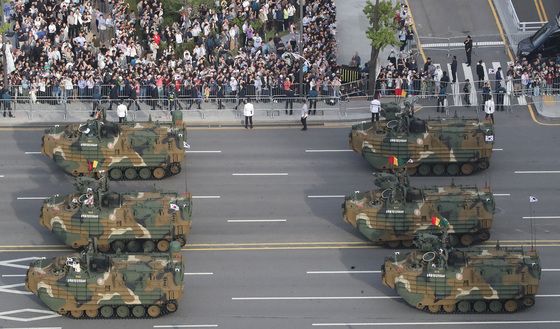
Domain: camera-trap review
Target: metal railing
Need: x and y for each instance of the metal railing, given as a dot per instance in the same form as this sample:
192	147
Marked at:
521	26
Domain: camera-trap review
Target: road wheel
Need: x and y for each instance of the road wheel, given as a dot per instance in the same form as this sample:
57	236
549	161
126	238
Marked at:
148	246
154	311
171	306
175	168
424	169
484	235
393	244
495	306
76	314
528	301
464	306
453	240
145	173
138	311
434	308
450	308
479	306
163	245
106	311
130	173
133	246
511	306
115	174
117	245
452	169
103	247
466	240
92	314
483	164
467	169
438	169
158	173
123	311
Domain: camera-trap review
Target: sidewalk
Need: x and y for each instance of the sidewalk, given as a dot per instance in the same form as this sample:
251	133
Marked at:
271	113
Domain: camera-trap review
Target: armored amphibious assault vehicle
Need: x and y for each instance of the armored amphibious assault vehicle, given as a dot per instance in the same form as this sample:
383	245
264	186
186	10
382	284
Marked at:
437	278
395	212
443	146
132	221
96	285
127	151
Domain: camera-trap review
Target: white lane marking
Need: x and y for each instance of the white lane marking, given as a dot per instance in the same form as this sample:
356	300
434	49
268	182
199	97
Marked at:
9	289
10	262
186	326
328	151
206	197
497	149
1	176
12	275
32	197
338	298
49	314
216	151
316	298
468	75
537	171
502	194
542	217
342	272
460	44
255	220
45	197
35	328
521	100
34	152
495	66
261	174
441	323
326	196
454	87
199	273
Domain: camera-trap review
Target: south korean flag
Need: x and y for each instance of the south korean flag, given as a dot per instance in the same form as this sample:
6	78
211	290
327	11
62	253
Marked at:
173	206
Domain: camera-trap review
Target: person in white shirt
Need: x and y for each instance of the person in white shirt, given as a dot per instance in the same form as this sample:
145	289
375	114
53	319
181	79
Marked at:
489	108
121	112
375	108
304	114
248	111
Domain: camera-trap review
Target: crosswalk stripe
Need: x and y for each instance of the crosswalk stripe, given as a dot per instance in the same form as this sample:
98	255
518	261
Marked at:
522	100
486	77
468	75
496	66
454	88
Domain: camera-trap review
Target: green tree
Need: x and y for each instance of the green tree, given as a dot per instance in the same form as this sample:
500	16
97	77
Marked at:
381	33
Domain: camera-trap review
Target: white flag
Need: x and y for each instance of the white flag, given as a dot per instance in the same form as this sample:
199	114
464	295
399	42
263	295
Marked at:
173	207
533	199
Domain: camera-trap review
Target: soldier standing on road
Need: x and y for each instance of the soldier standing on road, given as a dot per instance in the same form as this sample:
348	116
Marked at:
467	92
248	111
121	112
500	93
220	96
375	108
480	73
304	114
7	100
489	108
454	69
468	49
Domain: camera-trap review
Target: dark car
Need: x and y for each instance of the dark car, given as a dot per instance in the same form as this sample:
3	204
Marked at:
545	41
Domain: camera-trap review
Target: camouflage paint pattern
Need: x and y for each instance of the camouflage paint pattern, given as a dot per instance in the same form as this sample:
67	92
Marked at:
476	279
80	285
157	147
132	216
396	212
456	145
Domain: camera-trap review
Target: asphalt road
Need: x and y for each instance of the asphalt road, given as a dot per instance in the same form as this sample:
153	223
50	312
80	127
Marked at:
527	10
228	262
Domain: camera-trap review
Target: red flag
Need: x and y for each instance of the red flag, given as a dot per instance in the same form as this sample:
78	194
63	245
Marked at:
89	166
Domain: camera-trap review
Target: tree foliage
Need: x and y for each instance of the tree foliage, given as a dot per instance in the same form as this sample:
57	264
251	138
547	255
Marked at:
381	33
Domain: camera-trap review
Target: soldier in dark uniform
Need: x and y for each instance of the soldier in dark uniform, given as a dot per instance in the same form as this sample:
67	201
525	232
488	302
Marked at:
7	101
500	93
220	96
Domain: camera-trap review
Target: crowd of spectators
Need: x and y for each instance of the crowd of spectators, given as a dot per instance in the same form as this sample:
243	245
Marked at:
537	77
68	49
